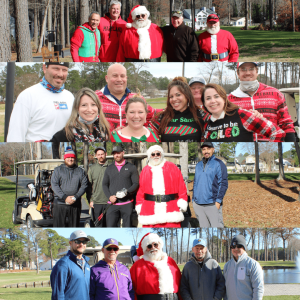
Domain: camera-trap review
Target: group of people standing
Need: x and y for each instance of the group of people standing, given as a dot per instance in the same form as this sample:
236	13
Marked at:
111	39
154	275
195	111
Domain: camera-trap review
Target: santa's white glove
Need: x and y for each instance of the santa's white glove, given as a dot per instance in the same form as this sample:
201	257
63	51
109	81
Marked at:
121	194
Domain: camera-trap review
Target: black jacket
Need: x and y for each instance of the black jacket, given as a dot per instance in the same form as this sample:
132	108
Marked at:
180	44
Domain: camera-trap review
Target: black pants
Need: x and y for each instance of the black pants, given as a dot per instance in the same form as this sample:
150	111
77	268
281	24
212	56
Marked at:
97	211
116	212
66	215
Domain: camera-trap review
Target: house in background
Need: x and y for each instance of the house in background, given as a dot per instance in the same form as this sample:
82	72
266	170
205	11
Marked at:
200	17
235	21
47	265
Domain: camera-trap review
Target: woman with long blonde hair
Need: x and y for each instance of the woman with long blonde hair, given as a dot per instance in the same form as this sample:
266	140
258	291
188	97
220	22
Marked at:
87	122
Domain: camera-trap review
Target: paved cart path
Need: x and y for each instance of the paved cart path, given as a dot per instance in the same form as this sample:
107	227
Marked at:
282	289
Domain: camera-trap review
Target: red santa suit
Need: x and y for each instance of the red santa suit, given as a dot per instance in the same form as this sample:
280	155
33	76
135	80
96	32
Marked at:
221	42
164	179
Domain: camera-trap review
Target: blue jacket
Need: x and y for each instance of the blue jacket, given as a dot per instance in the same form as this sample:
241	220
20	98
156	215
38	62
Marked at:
110	283
210	182
68	280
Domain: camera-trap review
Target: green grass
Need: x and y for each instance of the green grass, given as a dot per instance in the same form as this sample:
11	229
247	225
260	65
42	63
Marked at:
157	102
266	45
2	107
281	298
22	277
26	293
7	199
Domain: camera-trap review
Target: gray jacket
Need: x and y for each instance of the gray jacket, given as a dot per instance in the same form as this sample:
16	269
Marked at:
66	181
206	283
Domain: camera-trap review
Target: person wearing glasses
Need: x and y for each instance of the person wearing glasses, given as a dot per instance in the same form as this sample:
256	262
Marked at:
210	282
217	44
70	277
162	195
142	40
180	40
155	275
267	100
110	279
243	275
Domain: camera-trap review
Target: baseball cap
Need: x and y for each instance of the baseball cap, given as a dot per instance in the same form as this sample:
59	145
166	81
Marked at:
65	64
177	13
241	63
78	234
117	149
207	144
197	79
213	18
239	240
200	242
100	148
110	242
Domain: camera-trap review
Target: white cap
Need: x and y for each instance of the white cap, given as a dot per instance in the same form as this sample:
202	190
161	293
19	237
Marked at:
77	235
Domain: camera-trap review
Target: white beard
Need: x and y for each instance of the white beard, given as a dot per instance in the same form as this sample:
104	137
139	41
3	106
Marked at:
153	255
213	30
153	162
141	24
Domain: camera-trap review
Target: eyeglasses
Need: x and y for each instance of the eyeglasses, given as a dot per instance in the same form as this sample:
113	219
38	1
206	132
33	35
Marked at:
246	70
80	242
138	16
150	246
112	248
155	154
237	246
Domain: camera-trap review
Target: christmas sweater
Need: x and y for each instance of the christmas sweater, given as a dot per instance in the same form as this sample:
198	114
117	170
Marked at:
150	137
271	104
110	34
239	127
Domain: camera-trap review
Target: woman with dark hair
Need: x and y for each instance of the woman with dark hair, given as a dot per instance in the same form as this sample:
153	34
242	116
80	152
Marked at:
87	122
135	131
229	123
181	121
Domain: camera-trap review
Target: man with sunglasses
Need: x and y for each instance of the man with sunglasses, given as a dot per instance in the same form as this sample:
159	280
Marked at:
70	277
162	195
243	275
142	40
210	282
217	44
180	41
109	278
267	100
155	276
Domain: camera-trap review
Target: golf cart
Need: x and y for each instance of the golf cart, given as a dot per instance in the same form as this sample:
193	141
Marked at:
34	197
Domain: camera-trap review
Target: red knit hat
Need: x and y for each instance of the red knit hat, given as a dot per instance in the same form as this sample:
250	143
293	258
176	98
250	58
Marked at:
138	9
69	153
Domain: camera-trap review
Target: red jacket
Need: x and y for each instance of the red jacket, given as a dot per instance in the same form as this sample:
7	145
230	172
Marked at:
225	42
129	46
110	34
270	103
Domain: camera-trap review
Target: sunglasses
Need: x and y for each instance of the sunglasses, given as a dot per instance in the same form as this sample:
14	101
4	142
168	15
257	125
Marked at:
155	154
138	16
80	242
155	245
177	12
112	248
237	246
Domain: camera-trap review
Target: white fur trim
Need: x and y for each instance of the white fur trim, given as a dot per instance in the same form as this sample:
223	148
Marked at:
136	258
182	204
128	25
138	11
138	208
154	148
158	182
144	46
151	238
213	44
165	276
170	217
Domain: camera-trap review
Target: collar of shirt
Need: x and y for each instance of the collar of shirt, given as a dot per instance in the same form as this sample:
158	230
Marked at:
106	92
213	119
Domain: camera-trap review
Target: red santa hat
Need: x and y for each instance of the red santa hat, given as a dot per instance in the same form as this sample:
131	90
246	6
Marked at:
137	10
146	240
155	148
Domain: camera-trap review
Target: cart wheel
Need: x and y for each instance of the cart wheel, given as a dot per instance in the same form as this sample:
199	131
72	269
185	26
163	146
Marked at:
29	222
14	219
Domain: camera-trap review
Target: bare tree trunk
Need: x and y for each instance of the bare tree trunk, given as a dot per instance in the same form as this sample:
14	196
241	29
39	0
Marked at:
43	27
188	245
246	14
271	13
280	162
24	52
68	24
84	11
258	244
50	22
181	243
39	154
62	23
293	15
257	180
5	48
36	27
184	151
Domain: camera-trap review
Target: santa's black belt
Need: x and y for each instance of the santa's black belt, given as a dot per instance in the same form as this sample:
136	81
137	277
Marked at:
158	297
215	56
161	198
158	59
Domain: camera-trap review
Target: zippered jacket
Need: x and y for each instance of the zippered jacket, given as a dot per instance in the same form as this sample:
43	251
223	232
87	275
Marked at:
110	283
68	280
244	279
271	104
210	182
206	283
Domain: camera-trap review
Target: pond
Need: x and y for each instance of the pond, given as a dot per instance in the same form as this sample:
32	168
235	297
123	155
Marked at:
282	276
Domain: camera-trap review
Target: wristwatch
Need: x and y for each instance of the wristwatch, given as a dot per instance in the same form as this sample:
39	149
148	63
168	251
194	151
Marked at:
74	198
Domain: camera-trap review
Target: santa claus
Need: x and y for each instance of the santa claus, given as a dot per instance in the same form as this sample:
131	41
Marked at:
217	44
155	276
162	195
142	40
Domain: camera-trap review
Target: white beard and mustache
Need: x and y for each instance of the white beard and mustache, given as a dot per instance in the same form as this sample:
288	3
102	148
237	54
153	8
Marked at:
141	24
153	254
155	162
213	30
